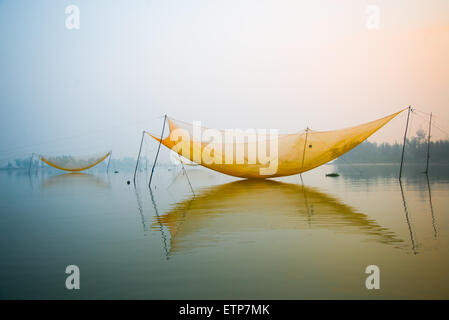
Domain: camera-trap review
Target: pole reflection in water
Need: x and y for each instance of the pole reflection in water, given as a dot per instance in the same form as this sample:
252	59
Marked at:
407	218
258	205
431	208
156	212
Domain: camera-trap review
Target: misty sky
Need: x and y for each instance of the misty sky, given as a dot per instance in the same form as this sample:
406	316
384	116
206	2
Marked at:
231	64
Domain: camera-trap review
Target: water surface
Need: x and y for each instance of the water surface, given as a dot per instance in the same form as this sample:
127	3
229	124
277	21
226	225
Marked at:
226	238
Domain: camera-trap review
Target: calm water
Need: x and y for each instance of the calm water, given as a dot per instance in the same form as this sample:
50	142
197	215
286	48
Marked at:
227	238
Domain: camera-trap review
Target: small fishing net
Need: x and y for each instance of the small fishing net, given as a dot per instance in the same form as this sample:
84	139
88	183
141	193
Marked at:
74	163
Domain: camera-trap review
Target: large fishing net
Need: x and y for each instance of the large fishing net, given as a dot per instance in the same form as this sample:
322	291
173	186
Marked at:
264	153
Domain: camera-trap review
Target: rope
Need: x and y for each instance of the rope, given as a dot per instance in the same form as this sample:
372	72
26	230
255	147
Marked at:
442	130
417	110
433	120
55	140
284	132
433	124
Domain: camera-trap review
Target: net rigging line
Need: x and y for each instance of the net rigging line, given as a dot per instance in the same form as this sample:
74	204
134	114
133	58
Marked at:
420	111
80	151
435	119
281	132
428	114
433	124
86	133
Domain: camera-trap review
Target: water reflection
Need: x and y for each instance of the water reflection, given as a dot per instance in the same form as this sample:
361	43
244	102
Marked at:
248	205
156	212
435	233
407	218
75	179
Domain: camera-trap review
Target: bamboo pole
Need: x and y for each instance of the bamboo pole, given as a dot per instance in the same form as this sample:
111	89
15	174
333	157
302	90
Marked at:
109	162
158	149
304	153
428	145
31	162
405	140
305	145
138	156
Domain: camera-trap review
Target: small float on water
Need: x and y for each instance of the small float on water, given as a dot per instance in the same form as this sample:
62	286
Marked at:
332	175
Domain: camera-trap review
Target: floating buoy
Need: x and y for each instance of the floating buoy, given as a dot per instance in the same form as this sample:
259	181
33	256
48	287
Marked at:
115	171
128	182
332	175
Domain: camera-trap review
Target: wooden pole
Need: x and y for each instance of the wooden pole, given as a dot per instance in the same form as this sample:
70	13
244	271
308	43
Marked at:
110	155
305	145
405	140
31	162
158	149
428	145
304	153
185	172
138	156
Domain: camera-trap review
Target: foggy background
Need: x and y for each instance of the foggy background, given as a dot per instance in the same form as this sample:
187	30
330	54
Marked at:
230	64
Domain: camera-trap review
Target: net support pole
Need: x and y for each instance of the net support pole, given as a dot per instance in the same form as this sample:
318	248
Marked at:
405	140
304	153
157	153
138	156
305	145
185	172
428	145
31	163
109	162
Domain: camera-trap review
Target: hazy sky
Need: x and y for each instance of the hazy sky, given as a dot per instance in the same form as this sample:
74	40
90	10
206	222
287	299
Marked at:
246	64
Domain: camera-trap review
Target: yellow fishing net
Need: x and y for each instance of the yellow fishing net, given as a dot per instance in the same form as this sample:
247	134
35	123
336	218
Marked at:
74	164
264	154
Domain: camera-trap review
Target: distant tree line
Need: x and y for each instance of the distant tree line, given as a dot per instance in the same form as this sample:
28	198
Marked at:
415	151
367	152
126	163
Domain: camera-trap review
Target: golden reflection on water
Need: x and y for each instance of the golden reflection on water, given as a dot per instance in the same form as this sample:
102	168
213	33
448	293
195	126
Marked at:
253	205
